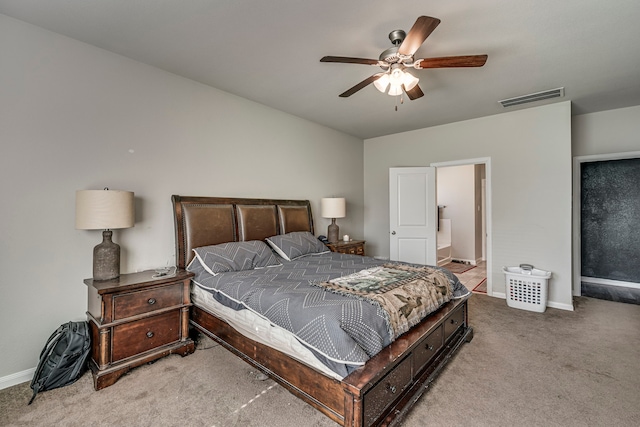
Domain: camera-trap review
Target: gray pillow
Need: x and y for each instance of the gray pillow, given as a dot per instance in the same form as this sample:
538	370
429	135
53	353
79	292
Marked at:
236	256
297	244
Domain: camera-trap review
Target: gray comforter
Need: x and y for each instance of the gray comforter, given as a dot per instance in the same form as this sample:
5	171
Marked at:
342	331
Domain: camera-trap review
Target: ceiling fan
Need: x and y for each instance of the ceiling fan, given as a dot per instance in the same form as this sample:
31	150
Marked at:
396	59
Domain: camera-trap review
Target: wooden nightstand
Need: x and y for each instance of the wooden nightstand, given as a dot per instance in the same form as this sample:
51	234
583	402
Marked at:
355	247
135	319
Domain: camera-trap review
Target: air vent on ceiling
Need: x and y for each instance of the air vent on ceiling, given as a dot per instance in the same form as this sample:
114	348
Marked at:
538	96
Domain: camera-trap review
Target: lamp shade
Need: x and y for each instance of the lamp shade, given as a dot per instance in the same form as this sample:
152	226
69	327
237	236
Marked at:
382	83
104	209
334	207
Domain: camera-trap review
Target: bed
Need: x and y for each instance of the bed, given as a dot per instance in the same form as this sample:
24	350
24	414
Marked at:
357	390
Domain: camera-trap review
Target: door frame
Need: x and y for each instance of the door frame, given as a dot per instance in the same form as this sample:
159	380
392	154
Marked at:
577	208
487	209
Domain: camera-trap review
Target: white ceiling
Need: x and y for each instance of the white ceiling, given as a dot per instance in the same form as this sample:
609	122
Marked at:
269	51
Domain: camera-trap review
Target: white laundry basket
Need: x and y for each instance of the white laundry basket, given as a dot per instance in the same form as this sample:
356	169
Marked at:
527	287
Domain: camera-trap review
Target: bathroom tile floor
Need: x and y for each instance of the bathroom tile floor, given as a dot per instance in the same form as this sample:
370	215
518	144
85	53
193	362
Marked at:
472	278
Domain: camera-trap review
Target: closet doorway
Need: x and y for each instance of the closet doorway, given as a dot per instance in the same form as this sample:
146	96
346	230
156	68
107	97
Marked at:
606	237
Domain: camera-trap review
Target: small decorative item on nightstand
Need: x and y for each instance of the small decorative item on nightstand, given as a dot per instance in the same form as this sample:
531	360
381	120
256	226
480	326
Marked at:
135	319
354	247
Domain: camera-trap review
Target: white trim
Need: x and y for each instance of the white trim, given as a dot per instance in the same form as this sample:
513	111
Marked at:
609	282
487	170
577	242
559	305
17	378
552	304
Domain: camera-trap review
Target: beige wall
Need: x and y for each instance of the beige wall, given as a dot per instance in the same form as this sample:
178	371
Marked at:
76	117
529	179
607	132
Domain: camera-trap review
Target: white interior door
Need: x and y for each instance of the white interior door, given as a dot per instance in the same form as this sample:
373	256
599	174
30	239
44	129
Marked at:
413	210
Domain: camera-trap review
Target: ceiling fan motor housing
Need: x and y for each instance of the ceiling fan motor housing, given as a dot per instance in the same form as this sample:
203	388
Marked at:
397	37
391	56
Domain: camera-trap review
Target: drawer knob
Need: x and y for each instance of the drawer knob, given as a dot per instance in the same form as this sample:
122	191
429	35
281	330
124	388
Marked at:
391	388
149	334
151	301
454	322
429	347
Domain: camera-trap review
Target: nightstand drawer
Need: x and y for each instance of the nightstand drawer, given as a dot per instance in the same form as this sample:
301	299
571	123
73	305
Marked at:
141	302
132	338
355	250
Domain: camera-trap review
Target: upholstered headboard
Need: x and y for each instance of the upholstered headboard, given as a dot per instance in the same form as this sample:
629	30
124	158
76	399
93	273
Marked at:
203	221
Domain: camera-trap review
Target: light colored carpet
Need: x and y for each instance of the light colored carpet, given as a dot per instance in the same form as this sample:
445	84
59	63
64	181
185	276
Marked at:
557	368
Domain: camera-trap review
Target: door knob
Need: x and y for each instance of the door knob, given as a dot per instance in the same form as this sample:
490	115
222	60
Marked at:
393	233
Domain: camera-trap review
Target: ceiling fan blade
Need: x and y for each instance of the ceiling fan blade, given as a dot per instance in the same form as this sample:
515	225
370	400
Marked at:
347	60
452	61
366	82
414	93
421	29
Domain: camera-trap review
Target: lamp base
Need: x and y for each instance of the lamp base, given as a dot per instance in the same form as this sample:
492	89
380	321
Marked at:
106	258
333	231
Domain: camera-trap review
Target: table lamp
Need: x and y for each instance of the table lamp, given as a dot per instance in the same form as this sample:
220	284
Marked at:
105	210
333	207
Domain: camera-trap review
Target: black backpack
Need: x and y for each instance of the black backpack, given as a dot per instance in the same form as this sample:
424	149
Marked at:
63	359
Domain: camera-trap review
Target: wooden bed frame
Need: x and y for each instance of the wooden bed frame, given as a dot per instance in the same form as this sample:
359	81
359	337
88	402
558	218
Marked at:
379	393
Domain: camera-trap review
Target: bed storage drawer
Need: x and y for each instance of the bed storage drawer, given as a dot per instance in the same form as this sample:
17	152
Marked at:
386	391
455	320
427	349
140	302
133	338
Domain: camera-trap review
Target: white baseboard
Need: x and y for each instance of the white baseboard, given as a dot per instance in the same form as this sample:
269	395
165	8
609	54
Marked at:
559	305
17	378
444	261
552	304
609	282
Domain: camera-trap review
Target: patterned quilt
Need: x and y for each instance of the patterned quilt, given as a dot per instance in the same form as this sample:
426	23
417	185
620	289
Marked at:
342	331
406	293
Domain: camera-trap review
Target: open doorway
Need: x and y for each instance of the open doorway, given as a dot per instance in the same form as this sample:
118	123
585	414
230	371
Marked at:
463	234
606	211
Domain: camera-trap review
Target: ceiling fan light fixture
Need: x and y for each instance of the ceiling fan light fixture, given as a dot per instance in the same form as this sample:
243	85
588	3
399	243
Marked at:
409	81
395	90
396	77
382	83
395	80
